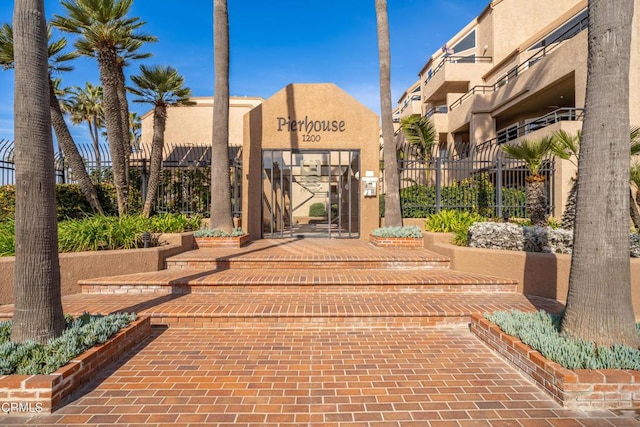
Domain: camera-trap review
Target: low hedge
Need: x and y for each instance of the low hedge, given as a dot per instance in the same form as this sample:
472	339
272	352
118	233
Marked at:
540	331
82	333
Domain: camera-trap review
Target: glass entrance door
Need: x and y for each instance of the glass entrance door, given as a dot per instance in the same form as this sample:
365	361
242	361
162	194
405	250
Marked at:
311	193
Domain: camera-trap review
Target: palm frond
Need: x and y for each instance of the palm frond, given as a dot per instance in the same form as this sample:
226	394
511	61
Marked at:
531	152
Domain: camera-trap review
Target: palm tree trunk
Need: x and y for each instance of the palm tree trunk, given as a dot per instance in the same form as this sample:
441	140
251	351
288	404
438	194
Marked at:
634	211
157	147
221	215
599	304
93	131
109	70
392	215
38	304
569	214
537	201
71	152
124	118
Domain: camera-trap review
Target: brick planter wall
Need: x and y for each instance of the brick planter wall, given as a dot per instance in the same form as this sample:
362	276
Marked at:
396	242
580	388
220	242
33	394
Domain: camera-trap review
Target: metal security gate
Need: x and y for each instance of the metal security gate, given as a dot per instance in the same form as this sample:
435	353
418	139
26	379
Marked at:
311	193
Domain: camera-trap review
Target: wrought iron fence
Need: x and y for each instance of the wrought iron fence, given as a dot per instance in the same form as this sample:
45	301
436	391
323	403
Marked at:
487	182
185	176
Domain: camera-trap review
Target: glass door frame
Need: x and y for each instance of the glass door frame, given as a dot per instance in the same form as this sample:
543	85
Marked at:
278	215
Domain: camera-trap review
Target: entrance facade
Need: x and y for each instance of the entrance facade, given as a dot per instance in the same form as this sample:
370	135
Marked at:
311	193
311	159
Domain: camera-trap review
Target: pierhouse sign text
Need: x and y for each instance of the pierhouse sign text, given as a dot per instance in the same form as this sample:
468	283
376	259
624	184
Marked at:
309	127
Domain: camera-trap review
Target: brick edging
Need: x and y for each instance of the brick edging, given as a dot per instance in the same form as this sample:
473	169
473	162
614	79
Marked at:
396	242
218	242
580	388
42	394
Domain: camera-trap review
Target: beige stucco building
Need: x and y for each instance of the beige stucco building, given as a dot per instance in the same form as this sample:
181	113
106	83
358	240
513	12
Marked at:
516	71
193	124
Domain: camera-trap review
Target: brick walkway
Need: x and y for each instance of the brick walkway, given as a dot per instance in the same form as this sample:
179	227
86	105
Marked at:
351	377
310	332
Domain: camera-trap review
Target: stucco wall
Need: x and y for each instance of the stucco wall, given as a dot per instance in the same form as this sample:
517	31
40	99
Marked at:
541	274
88	265
353	127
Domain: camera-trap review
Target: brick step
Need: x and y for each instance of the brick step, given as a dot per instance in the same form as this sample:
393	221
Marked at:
261	255
291	280
372	309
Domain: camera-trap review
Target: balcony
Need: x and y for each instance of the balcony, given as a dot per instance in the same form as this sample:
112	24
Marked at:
512	74
410	106
453	75
515	132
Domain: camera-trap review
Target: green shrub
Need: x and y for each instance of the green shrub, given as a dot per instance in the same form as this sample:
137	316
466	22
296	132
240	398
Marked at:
206	232
317	209
31	358
451	221
70	201
173	223
101	233
7	238
476	194
407	231
540	331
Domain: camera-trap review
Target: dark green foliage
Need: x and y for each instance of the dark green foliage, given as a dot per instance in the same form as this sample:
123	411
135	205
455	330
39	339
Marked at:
317	209
474	195
7	237
540	331
31	358
95	233
70	202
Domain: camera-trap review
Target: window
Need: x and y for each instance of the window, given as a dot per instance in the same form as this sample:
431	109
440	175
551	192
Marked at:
567	30
466	43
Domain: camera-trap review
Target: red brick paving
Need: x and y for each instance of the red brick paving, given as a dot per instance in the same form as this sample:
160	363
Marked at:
266	352
314	376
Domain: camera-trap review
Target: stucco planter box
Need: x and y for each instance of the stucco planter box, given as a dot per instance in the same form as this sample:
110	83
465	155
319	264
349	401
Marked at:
396	242
580	388
42	394
220	242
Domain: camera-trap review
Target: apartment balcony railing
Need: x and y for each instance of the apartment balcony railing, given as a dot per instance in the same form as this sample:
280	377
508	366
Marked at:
453	59
439	109
513	133
574	30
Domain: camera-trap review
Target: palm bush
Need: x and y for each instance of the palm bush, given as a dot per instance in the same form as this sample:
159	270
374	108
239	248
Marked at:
533	154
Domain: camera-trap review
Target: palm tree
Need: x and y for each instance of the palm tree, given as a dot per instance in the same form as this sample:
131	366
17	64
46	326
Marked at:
160	87
599	304
135	130
37	300
393	214
85	106
567	147
420	133
533	154
221	215
107	34
57	63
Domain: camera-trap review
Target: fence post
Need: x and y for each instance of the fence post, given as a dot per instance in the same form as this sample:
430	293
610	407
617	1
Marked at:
499	186
143	176
438	183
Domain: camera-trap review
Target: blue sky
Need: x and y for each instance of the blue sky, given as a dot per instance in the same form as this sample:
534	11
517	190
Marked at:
274	43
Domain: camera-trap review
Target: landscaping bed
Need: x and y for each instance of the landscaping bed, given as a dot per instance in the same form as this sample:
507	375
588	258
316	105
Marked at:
42	394
408	237
579	388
